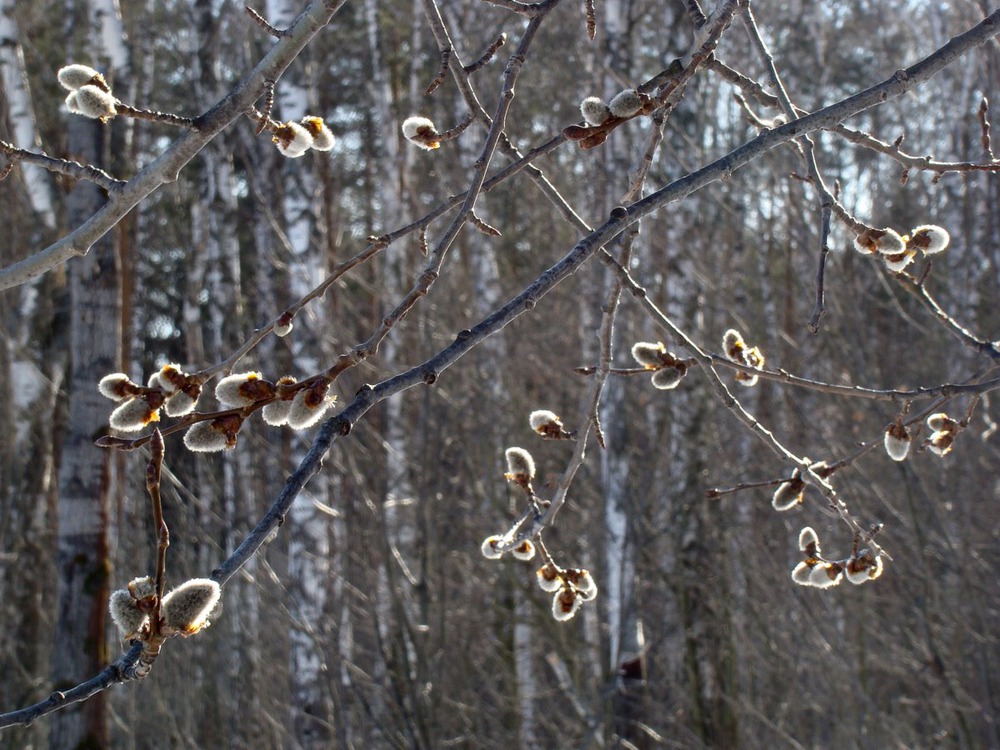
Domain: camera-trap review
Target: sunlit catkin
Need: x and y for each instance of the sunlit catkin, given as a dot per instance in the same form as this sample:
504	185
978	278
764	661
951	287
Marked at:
186	609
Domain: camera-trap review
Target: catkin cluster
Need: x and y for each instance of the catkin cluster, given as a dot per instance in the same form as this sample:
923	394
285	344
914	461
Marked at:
668	369
89	94
737	350
293	139
898	251
570	586
285	402
184	610
815	570
623	105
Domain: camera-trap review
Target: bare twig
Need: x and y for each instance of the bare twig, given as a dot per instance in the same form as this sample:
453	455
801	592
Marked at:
984	124
482	226
442	72
163	533
62	166
591	12
262	22
487	55
144	114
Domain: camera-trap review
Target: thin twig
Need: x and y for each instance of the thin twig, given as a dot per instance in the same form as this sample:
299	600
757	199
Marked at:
984	124
487	55
63	166
442	72
160	525
262	22
144	114
591	12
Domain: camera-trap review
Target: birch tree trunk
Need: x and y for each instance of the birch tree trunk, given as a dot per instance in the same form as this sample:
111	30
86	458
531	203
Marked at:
85	475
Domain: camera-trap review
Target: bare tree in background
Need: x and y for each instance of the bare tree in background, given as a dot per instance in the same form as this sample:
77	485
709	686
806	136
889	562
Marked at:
699	246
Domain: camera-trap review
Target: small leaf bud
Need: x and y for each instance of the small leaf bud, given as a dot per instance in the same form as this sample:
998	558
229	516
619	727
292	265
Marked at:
594	111
186	609
421	132
626	103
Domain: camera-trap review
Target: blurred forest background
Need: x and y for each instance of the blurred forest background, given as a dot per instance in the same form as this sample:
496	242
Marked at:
371	619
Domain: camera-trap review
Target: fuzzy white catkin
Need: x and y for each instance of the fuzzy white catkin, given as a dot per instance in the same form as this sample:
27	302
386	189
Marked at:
132	415
187	607
204	438
111	386
648	354
541	418
520	463
74	76
292	140
594	111
929	238
322	137
228	389
897	443
421	132
668	378
90	101
625	104
303	413
179	404
125	613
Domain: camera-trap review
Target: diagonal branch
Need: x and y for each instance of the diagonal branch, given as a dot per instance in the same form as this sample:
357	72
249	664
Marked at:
168	165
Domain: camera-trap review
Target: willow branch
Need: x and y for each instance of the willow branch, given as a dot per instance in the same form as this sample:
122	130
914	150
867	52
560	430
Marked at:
165	168
62	166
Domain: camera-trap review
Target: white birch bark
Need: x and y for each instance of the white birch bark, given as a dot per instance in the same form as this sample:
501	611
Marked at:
309	543
21	113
